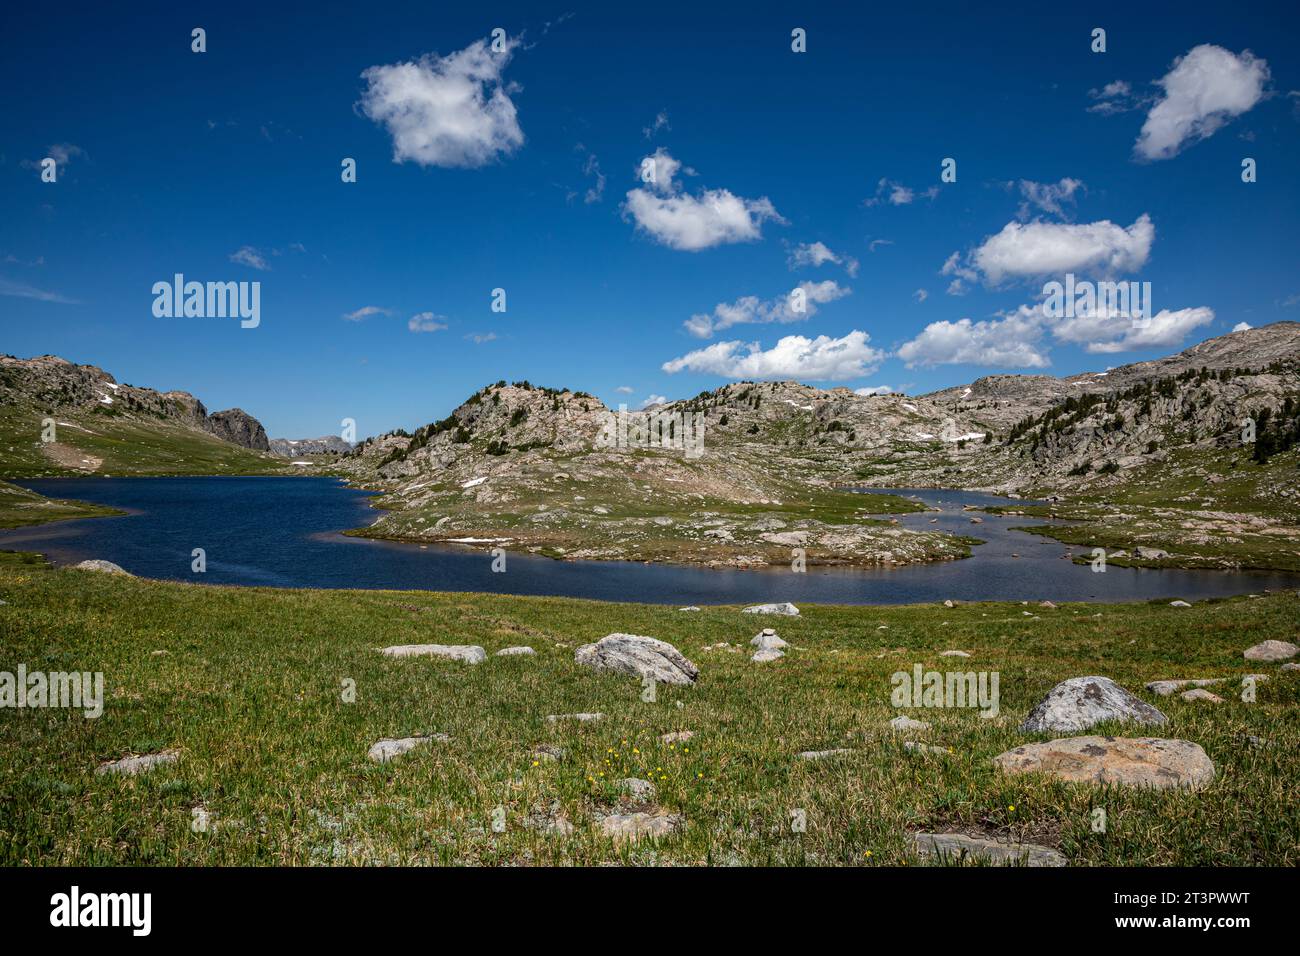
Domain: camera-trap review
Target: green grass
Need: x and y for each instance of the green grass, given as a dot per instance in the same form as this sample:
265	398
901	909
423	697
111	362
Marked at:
249	689
20	507
125	445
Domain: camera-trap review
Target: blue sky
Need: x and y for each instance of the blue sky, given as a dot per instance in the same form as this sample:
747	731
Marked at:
521	169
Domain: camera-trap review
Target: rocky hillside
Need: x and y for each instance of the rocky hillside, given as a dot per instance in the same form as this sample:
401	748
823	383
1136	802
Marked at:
526	465
58	385
529	465
298	447
101	425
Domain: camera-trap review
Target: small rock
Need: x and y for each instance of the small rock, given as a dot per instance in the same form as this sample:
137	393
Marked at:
633	826
108	567
902	723
1080	702
957	847
823	754
1199	694
549	752
469	653
768	641
641	791
581	718
1048	604
1150	554
1164	688
786	608
515	651
130	766
678	737
638	656
954	654
950	603
390	747
1179	604
1271	651
556	826
1130	761
766	654
924	748
691	608
1291	666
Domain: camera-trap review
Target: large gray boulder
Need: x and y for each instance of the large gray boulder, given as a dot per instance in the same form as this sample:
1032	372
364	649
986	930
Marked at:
1080	702
1128	761
638	656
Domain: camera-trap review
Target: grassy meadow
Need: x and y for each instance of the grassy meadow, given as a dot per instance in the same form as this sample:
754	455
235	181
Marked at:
248	684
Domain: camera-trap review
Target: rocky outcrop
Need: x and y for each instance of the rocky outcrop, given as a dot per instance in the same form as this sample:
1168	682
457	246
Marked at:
239	428
1080	702
49	384
296	447
639	656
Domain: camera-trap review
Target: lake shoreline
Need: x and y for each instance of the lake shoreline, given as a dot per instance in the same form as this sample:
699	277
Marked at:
289	533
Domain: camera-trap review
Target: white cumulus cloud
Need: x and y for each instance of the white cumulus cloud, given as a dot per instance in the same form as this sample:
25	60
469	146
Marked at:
750	309
1206	88
1109	333
1024	249
452	110
794	357
1007	342
688	222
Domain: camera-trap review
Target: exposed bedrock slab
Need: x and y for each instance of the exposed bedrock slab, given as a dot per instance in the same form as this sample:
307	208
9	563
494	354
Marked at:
958	848
1127	761
469	653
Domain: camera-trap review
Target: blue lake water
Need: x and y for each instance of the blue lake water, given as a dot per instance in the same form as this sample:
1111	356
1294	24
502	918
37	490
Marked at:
285	532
